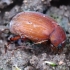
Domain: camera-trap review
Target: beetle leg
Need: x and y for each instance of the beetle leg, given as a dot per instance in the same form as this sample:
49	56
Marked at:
57	49
12	39
15	38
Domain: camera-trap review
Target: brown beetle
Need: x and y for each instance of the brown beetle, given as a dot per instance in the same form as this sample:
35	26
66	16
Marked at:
38	27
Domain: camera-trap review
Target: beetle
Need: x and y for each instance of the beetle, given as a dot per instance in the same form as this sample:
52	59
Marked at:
38	27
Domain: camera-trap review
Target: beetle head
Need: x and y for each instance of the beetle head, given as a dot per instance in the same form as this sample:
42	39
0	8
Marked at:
58	37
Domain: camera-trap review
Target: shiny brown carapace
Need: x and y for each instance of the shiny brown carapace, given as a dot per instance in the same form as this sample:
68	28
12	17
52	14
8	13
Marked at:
37	27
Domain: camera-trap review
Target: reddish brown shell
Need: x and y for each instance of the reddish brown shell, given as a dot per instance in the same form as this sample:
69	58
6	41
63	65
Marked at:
37	27
58	36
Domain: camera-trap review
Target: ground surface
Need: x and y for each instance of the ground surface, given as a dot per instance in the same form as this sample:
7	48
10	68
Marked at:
33	59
